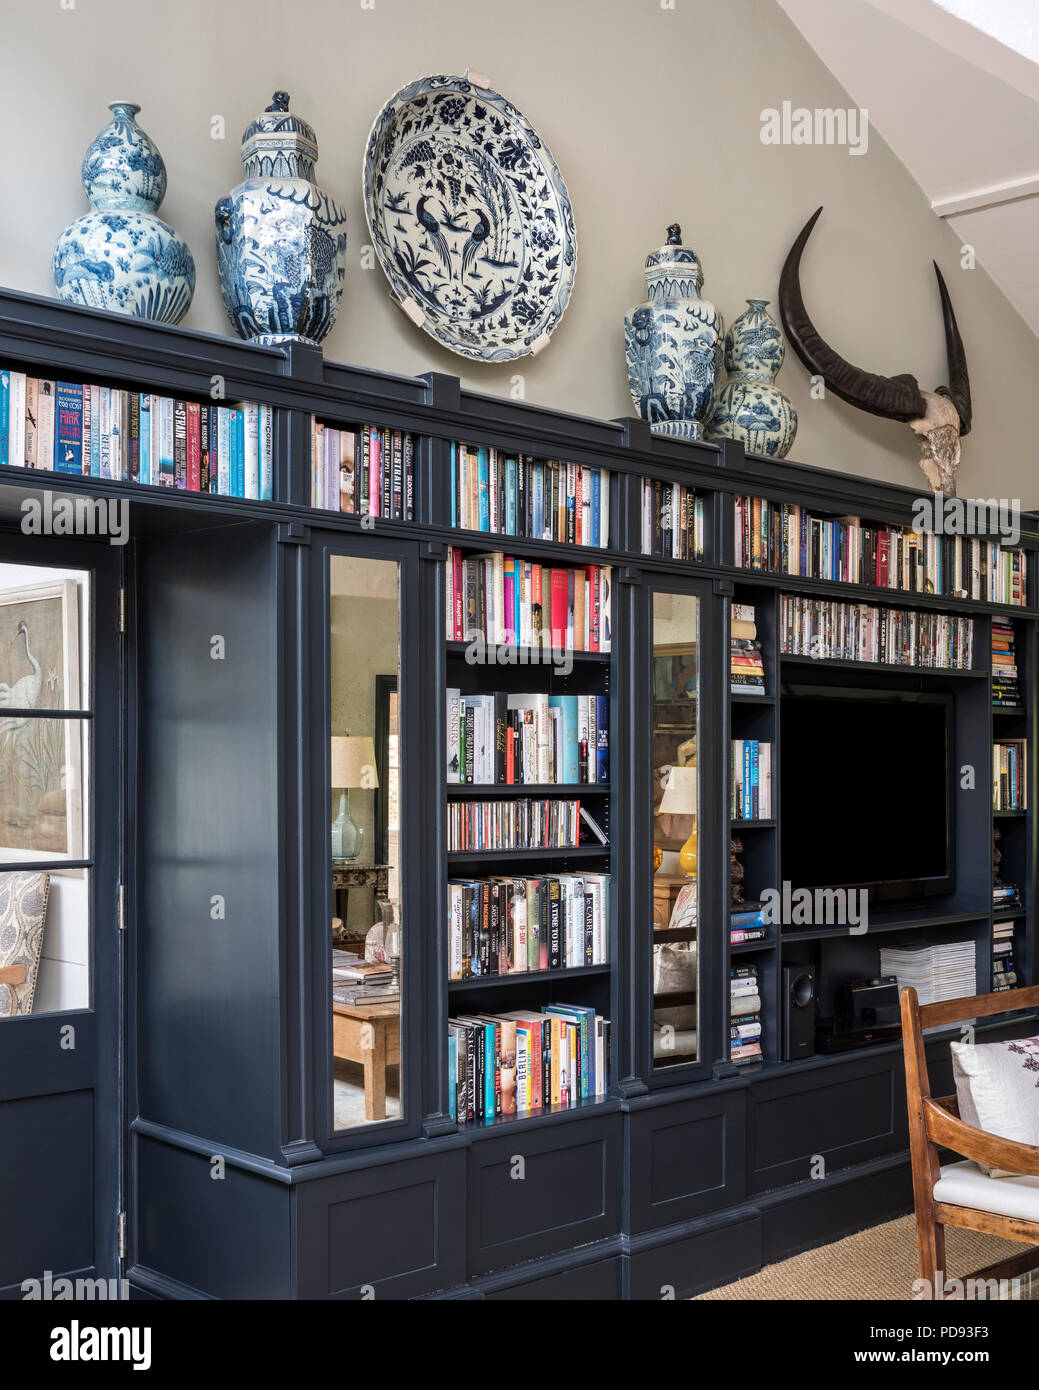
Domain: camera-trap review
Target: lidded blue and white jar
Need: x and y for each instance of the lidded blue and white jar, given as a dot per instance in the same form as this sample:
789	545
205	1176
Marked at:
751	406
280	239
120	256
674	344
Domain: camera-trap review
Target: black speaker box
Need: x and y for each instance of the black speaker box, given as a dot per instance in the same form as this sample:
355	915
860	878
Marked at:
798	1012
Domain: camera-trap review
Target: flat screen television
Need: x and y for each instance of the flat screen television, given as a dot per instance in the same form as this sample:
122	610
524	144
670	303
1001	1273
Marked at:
866	791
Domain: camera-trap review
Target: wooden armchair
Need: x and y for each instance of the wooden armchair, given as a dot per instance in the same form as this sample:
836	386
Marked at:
961	1194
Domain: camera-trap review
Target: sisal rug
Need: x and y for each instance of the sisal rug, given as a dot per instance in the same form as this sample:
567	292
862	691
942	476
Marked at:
879	1263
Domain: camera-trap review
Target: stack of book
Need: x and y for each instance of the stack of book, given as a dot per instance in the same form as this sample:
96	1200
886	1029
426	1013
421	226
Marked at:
136	437
513	824
672	520
523	1062
1010	774
747	923
787	539
1004	972
505	601
750	772
744	1015
1006	897
537	738
512	925
861	632
746	667
935	972
508	494
367	472
1006	693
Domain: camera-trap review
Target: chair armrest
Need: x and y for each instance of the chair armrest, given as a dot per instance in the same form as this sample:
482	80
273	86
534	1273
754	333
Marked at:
13	974
982	1147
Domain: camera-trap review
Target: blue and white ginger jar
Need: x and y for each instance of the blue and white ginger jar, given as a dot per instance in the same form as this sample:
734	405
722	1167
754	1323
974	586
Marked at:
120	256
280	239
674	344
751	407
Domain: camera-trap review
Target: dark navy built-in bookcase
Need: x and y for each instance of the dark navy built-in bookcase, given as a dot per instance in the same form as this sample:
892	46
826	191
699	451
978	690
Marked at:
681	1177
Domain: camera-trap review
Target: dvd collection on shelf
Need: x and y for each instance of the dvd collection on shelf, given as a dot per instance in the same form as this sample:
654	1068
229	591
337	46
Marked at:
505	601
746	665
1010	774
91	431
832	631
784	538
672	520
750	768
506	824
365	472
524	1062
507	494
1006	690
1004	972
513	925
744	1015
512	739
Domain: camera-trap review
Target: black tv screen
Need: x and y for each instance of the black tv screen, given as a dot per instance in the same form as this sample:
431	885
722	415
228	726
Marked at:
865	798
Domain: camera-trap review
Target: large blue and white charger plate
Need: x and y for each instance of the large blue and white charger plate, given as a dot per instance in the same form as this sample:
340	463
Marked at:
470	218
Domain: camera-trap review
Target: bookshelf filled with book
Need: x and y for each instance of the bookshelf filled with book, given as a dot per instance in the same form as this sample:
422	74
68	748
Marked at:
550	796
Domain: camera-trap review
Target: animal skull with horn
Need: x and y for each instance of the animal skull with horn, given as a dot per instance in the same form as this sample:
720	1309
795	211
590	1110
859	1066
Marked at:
938	418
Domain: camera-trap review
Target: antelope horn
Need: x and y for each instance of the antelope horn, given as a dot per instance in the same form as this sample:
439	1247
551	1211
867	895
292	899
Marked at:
958	389
894	397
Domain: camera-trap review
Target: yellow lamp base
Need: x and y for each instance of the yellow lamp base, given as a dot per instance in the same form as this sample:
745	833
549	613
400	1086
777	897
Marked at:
687	854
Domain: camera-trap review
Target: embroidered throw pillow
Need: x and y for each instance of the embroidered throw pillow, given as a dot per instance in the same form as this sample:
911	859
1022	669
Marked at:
23	910
997	1087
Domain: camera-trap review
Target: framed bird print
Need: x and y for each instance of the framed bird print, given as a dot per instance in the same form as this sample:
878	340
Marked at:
41	749
470	218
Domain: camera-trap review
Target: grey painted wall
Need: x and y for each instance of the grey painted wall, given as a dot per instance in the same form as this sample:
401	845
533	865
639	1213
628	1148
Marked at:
653	115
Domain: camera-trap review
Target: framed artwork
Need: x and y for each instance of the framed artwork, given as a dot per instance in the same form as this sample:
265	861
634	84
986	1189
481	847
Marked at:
41	758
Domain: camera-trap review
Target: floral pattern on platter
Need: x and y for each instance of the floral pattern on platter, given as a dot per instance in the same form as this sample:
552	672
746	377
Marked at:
280	239
673	344
120	256
751	407
470	218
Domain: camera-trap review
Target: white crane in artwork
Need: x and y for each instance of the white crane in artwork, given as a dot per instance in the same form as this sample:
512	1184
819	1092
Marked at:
24	693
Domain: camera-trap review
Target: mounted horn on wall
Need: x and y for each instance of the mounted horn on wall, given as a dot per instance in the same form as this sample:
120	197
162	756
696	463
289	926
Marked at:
938	418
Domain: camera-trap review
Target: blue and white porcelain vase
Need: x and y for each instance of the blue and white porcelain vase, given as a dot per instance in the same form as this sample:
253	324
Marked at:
751	406
674	344
280	239
120	256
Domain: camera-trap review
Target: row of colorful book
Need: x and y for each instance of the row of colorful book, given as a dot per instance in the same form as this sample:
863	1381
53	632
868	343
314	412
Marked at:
525	1062
508	494
1004	971
747	923
512	823
672	520
746	664
750	769
512	739
516	925
1006	689
1010	775
784	538
105	432
366	472
504	601
832	631
744	1015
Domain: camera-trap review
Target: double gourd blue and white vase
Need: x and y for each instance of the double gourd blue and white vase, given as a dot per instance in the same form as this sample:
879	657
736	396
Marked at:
751	406
280	239
674	344
120	256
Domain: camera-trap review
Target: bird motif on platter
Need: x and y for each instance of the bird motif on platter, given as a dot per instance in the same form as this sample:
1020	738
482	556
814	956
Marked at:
438	242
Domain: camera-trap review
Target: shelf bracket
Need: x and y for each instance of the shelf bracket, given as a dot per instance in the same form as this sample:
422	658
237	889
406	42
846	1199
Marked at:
293	533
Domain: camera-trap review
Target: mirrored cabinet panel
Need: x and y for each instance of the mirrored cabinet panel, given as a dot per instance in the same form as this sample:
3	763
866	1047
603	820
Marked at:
675	696
365	840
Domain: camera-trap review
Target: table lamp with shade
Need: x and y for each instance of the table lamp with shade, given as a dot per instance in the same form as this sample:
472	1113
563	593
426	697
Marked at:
353	765
679	799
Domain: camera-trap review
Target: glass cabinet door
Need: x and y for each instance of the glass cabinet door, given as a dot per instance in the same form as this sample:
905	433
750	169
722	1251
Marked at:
674	724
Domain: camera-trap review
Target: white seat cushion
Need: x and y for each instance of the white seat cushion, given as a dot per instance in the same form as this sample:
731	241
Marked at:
965	1185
